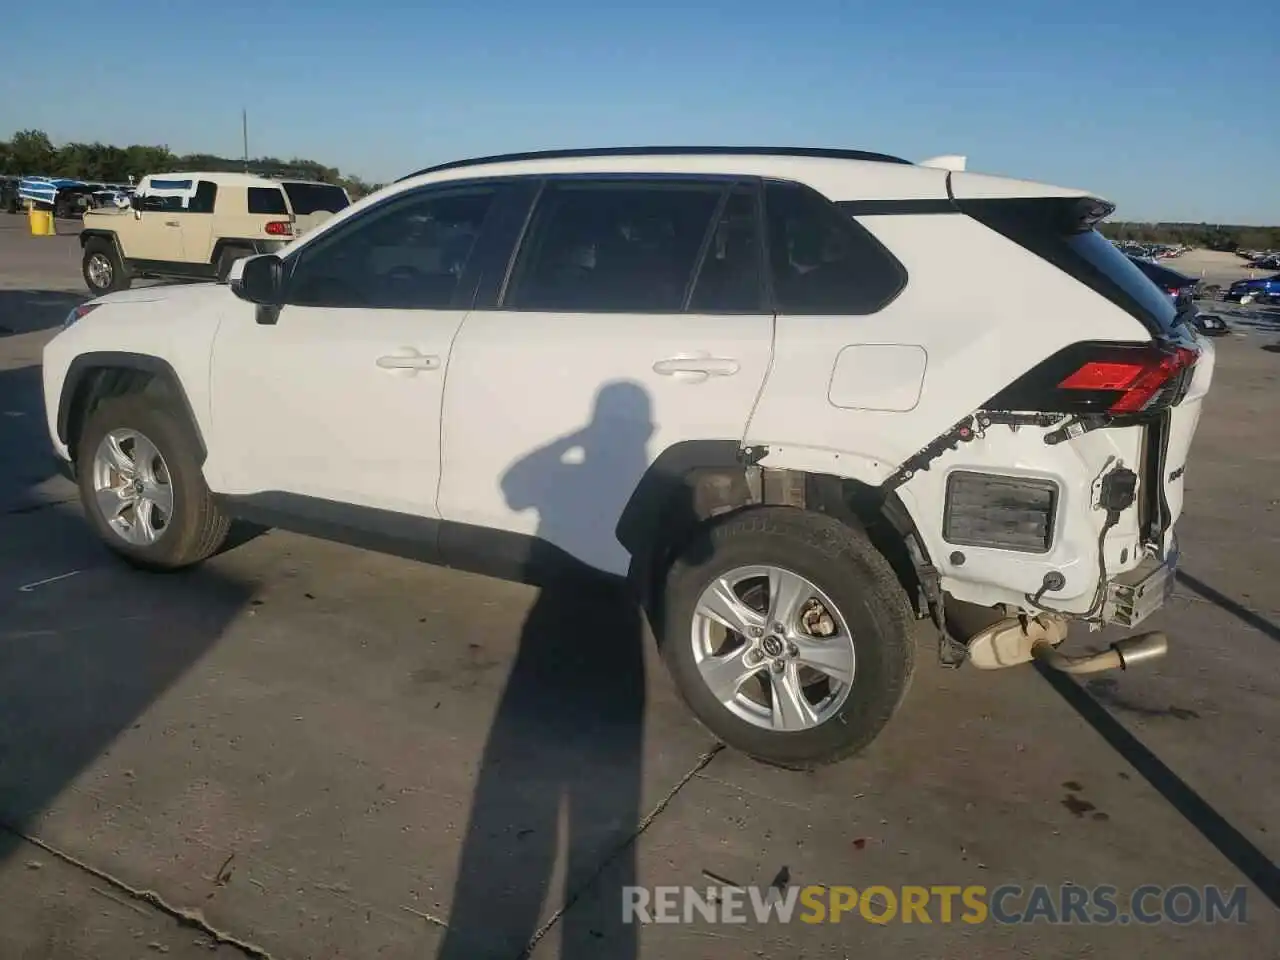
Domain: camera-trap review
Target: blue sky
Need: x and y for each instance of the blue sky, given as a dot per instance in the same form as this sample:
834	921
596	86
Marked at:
1167	108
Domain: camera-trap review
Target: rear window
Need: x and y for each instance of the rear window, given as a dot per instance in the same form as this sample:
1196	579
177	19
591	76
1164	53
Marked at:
1049	228
308	198
267	200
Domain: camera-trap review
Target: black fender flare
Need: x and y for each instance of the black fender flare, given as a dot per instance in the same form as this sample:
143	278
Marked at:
254	246
109	236
72	400
664	505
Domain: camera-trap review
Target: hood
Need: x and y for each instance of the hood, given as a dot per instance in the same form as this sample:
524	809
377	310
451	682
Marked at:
169	292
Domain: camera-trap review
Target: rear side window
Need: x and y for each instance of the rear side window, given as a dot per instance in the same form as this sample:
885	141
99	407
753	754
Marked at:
309	198
821	260
613	247
1050	228
205	196
268	201
729	278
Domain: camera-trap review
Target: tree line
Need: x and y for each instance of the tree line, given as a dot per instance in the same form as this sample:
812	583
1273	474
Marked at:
32	153
1214	236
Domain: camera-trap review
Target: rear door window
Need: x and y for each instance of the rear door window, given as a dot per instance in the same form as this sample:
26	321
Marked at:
268	201
613	246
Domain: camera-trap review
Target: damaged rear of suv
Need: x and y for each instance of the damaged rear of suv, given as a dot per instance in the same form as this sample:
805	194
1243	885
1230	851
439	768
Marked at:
797	399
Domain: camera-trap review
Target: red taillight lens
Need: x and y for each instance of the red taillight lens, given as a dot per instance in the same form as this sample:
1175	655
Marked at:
280	228
1099	377
1138	379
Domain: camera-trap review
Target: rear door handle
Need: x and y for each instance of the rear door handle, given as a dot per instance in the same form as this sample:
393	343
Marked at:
409	360
697	369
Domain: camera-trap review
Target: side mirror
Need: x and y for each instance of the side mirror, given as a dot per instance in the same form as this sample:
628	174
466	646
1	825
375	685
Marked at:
260	280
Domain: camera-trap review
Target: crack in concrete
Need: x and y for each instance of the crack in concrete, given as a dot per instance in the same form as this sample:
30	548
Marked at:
185	917
621	848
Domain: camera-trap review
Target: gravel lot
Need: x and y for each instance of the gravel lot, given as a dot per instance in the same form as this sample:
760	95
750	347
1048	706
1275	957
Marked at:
307	751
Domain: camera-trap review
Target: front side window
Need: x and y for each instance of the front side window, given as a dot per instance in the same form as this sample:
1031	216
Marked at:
410	253
613	247
822	262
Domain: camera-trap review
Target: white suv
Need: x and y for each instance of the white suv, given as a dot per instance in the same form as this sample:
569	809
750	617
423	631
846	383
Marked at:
795	398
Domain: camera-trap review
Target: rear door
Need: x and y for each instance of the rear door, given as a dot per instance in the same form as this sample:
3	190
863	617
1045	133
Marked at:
632	321
197	224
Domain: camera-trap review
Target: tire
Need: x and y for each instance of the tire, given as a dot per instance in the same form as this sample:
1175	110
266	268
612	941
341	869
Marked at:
100	255
227	257
194	527
841	563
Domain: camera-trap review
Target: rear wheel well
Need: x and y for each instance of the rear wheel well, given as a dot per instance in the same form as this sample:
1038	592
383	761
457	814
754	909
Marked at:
713	492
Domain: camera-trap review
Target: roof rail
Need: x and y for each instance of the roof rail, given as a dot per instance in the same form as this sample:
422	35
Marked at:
821	152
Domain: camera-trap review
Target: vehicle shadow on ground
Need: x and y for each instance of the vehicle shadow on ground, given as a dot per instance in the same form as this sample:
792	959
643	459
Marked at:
1237	610
561	768
86	643
27	311
1242	853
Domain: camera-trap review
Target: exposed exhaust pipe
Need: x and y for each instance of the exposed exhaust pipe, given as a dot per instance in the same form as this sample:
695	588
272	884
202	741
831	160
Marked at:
1122	655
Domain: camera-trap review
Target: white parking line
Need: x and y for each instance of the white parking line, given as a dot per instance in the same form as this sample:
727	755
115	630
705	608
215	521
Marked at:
40	583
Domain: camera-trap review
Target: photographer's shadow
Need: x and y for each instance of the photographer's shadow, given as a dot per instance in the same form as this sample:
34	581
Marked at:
562	765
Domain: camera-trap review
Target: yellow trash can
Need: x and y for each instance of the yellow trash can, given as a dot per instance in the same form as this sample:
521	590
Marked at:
41	222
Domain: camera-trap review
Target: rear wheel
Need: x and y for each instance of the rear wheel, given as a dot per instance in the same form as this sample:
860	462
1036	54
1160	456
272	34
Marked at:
141	485
788	636
229	256
102	269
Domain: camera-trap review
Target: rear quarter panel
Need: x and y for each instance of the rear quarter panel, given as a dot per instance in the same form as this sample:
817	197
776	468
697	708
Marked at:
982	311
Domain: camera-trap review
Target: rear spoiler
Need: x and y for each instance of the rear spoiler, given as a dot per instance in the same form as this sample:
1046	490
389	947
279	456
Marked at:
949	161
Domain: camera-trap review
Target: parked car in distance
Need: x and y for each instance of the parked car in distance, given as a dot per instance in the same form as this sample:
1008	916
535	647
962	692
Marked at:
699	372
1259	290
1180	288
193	226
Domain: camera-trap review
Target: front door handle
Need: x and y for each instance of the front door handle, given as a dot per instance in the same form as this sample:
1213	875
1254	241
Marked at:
171	223
409	359
697	369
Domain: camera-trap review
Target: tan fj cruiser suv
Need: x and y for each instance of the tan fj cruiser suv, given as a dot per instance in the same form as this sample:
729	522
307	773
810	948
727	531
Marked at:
194	226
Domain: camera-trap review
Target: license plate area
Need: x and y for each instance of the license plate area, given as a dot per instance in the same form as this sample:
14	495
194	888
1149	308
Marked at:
1135	595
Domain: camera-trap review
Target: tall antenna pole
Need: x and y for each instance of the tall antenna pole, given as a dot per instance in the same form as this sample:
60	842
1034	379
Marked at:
244	131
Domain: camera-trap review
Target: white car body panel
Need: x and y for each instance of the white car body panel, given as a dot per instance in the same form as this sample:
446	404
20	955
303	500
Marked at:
176	324
327	403
587	383
303	407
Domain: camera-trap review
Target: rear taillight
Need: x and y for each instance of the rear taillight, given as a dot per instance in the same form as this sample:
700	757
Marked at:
1136	381
1106	378
280	228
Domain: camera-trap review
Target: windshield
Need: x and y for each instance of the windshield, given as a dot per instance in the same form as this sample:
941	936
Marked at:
308	198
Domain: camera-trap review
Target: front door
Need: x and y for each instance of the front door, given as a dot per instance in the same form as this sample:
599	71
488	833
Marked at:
632	322
339	398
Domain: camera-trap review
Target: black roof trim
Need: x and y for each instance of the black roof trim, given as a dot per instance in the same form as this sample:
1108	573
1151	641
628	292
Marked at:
820	152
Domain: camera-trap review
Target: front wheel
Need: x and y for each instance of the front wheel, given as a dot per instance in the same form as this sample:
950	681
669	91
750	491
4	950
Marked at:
102	269
788	636
142	488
